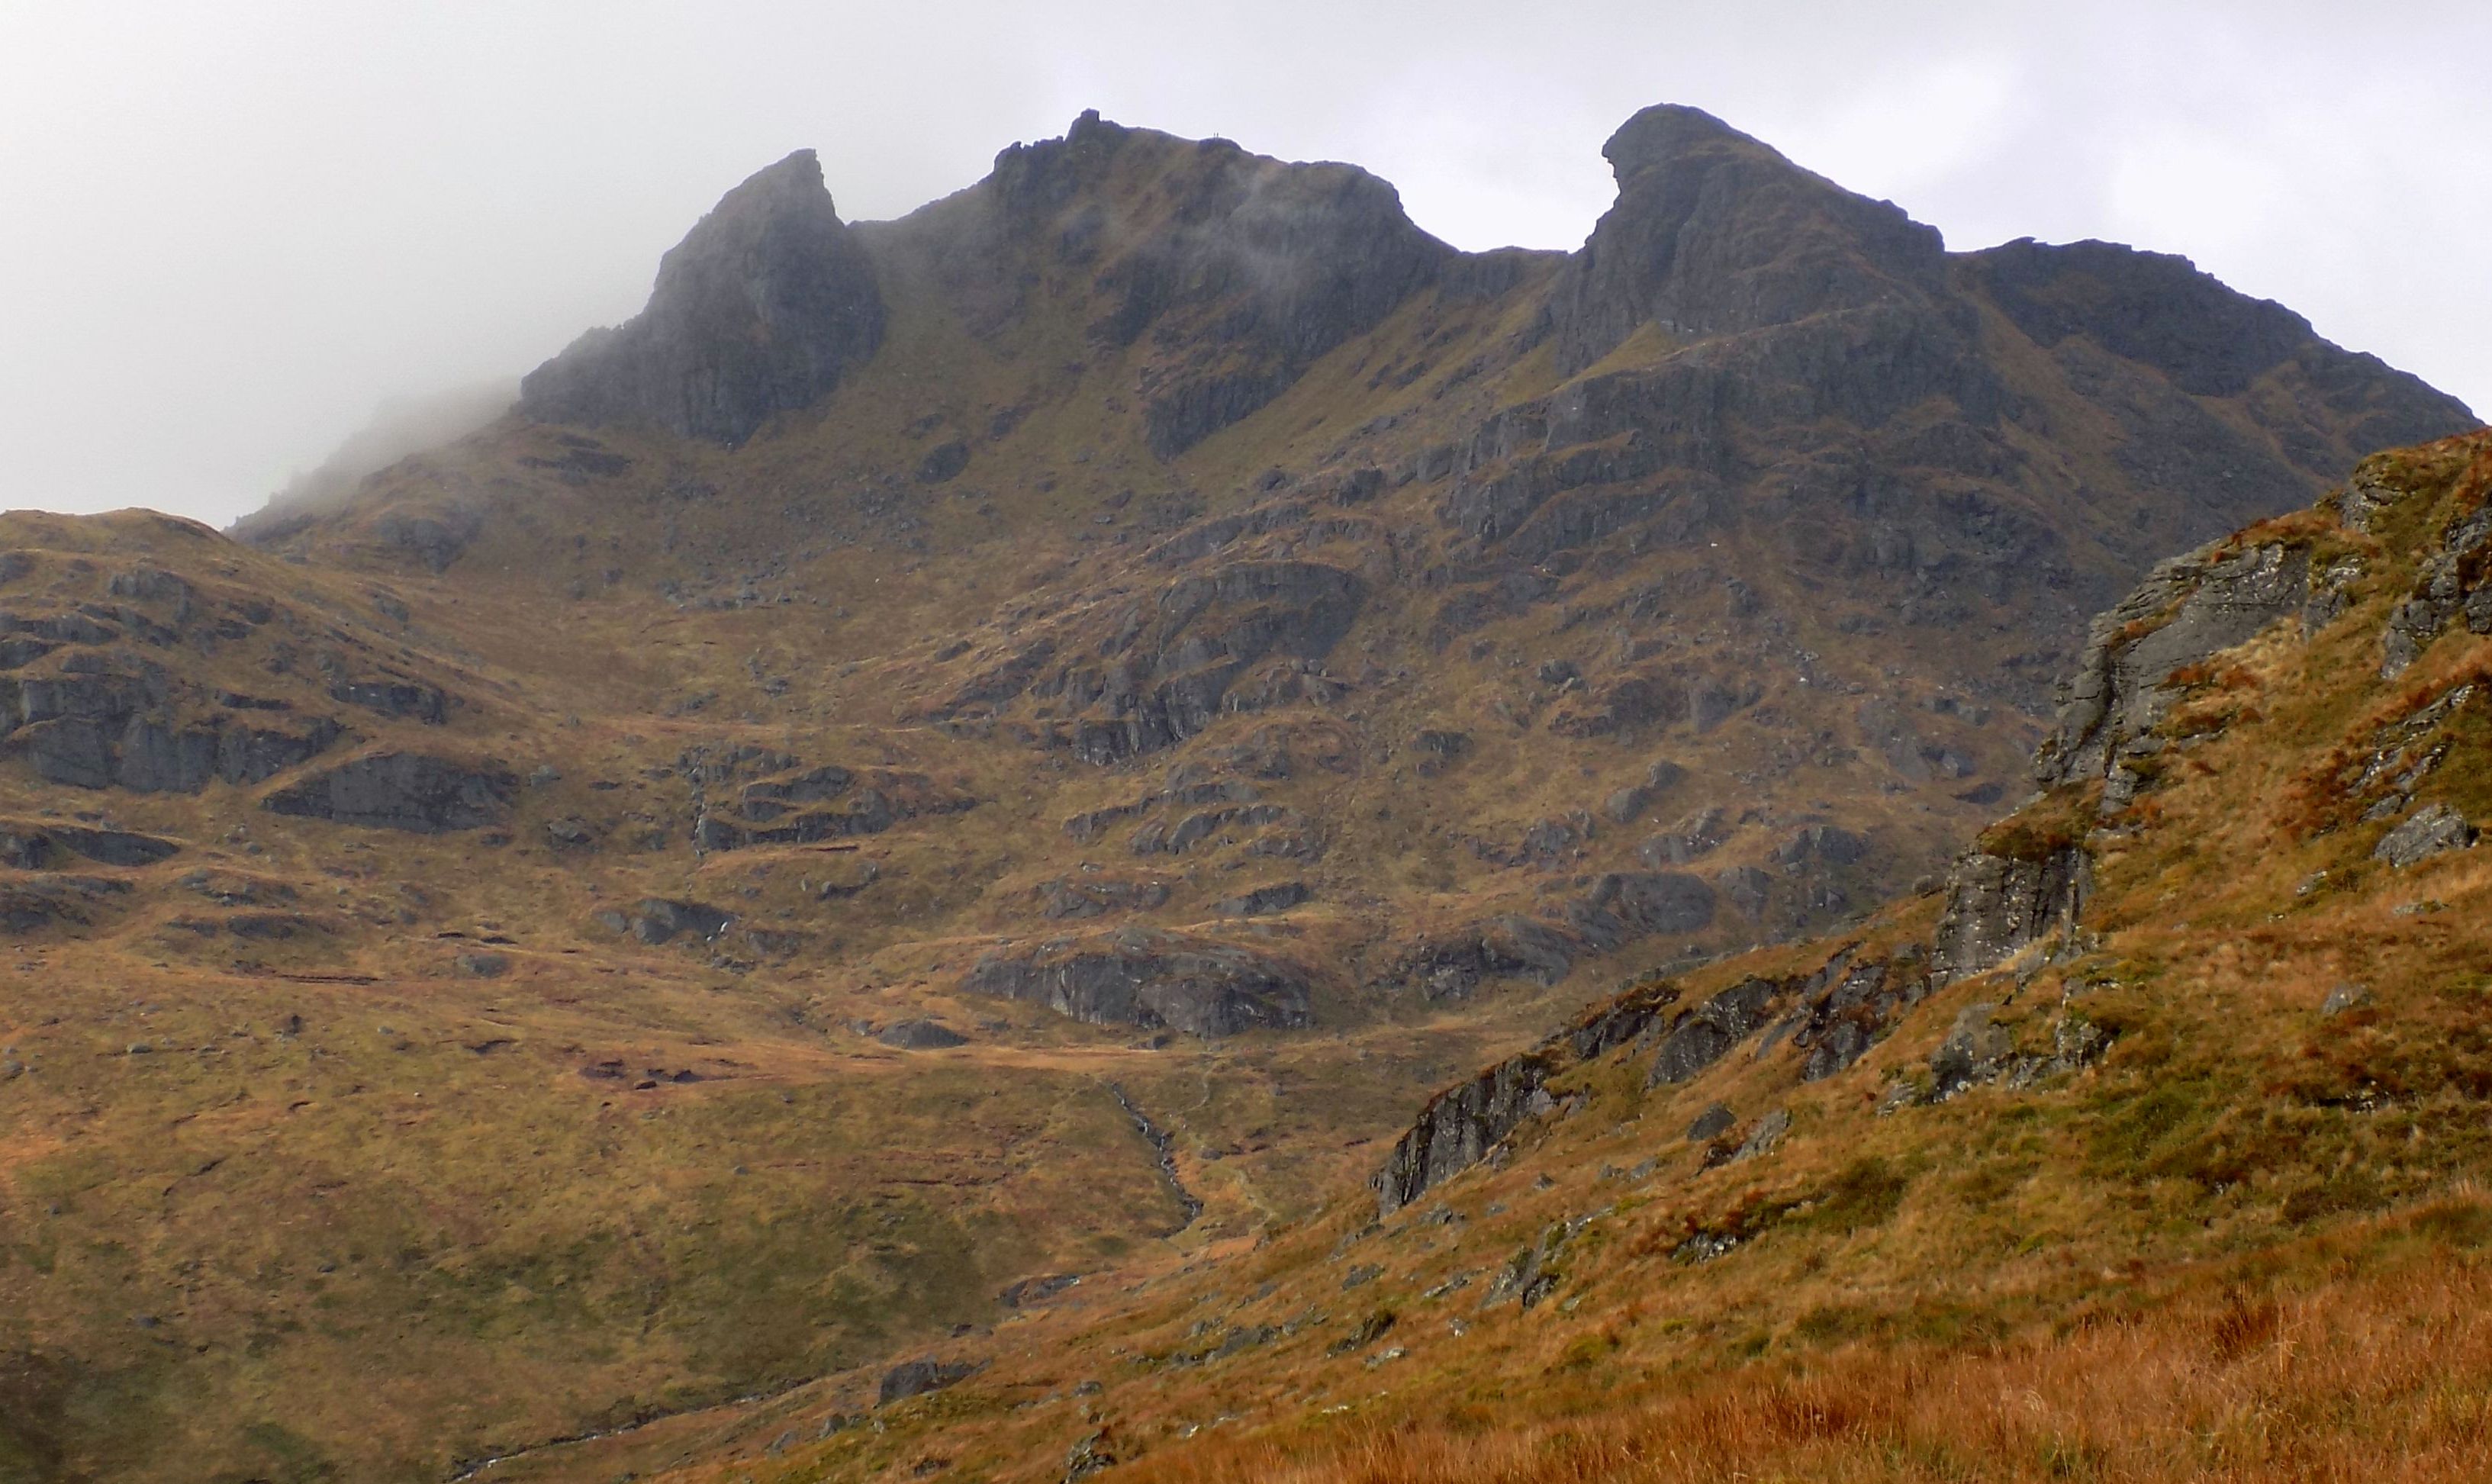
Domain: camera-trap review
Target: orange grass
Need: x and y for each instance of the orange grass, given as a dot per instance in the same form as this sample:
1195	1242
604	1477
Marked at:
2379	1377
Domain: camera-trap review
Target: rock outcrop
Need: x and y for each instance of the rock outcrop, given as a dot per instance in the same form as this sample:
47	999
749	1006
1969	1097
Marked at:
2186	609
1459	1126
411	792
1152	980
762	308
1998	904
1240	270
1714	233
38	846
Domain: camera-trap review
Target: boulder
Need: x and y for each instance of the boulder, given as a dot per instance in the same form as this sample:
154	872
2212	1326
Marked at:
660	920
921	1036
2431	830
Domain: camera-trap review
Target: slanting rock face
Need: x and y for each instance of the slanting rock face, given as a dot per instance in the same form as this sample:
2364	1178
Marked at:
2434	830
400	791
1999	904
108	722
762	308
1704	1037
1715	233
1459	1125
916	1377
2451	586
32	904
921	1036
2206	603
33	847
1153	980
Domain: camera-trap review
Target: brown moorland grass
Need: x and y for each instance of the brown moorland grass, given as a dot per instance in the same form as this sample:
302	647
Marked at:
2383	1377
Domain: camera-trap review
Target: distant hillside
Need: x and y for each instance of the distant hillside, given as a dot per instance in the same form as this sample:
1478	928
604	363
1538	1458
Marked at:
2150	1148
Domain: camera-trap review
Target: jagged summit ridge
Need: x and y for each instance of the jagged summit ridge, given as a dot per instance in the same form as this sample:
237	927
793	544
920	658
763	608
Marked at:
1714	232
761	307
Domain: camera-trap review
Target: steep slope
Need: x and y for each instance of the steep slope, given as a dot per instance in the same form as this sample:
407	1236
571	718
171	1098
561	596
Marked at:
2151	1147
497	941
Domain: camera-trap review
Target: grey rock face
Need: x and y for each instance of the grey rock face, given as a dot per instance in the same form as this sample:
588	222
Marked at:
2450	586
1262	901
408	791
1714	232
762	308
1622	905
2433	830
921	1036
916	1377
1974	1051
1996	905
1704	1037
1263	267
107	725
1977	1051
1761	1139
1175	669
1691	839
1459	1125
1715	1120
660	920
33	847
2344	997
34	902
1506	946
1153	980
407	698
1074	897
2190	609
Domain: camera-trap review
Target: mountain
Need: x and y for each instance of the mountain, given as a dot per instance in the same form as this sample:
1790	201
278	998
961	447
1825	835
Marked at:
1017	740
2150	1146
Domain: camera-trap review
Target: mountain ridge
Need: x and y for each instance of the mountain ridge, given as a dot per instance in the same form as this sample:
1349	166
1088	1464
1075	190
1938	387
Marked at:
1042	768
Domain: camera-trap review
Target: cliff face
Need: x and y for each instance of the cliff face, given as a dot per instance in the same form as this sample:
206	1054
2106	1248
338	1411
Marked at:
762	308
1714	233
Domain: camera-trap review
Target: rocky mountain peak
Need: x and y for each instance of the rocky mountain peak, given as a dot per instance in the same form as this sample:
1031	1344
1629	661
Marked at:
1716	233
761	307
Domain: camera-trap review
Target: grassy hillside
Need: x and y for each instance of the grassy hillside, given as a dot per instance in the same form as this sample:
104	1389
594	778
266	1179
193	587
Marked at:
2191	1186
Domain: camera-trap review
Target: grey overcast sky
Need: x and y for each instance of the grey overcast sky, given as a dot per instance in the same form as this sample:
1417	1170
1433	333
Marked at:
230	228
